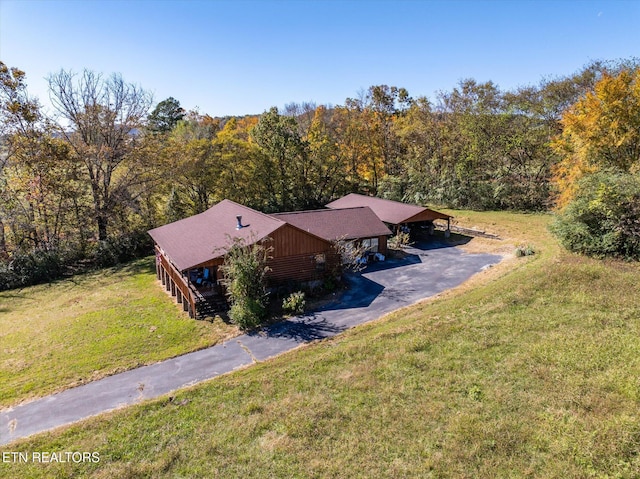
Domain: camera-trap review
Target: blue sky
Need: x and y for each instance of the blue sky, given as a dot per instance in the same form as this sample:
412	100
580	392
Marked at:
242	57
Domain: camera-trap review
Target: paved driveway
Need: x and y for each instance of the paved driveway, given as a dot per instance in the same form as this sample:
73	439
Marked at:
428	269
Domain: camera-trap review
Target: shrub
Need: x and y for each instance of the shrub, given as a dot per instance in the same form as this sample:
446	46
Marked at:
122	249
45	265
331	283
294	303
399	240
351	255
25	269
8	279
603	219
244	271
527	250
247	313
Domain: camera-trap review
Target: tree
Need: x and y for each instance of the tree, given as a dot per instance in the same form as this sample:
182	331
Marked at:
37	186
284	164
206	164
17	112
237	156
102	119
328	168
367	134
601	130
599	175
388	103
193	163
351	254
361	163
476	147
17	108
165	116
244	271
38	190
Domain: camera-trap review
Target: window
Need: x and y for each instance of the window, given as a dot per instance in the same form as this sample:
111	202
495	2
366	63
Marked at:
370	244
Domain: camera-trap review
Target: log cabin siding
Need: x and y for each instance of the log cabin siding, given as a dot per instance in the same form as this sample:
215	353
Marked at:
293	256
302	267
291	241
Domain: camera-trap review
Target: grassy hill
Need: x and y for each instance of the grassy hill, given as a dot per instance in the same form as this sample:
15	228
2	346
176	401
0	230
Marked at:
69	332
531	369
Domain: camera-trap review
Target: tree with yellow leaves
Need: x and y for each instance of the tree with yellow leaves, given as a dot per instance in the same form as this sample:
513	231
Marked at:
599	175
600	131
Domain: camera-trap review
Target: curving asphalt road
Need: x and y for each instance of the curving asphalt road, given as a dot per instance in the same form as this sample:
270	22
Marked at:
427	270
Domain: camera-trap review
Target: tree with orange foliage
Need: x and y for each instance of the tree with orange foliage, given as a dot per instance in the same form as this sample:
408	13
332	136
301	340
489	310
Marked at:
600	131
599	176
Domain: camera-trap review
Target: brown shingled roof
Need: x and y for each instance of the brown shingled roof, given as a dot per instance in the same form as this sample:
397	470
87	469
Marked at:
392	212
333	224
192	241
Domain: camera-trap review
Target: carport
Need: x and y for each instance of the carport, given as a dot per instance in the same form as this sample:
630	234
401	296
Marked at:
395	214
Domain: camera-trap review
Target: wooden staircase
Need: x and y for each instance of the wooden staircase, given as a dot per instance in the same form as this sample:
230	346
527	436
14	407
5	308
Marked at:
209	306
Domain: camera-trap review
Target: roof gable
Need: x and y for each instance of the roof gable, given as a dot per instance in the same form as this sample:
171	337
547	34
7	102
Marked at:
333	224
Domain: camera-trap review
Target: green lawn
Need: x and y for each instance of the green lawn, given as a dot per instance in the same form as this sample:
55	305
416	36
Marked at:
73	331
530	370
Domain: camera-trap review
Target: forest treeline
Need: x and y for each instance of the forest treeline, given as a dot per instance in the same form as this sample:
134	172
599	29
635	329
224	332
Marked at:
85	183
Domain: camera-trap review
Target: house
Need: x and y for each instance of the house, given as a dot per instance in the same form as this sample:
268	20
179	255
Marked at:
394	213
190	251
348	224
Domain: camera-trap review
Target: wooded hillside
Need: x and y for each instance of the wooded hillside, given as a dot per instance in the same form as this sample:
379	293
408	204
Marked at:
85	184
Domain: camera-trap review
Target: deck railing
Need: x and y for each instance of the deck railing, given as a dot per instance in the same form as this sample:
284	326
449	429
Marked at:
176	283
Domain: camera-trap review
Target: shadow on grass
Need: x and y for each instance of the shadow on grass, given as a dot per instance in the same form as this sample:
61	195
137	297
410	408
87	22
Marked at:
144	265
219	314
139	266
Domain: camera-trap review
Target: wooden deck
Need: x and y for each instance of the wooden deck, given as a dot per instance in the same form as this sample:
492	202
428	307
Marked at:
197	301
